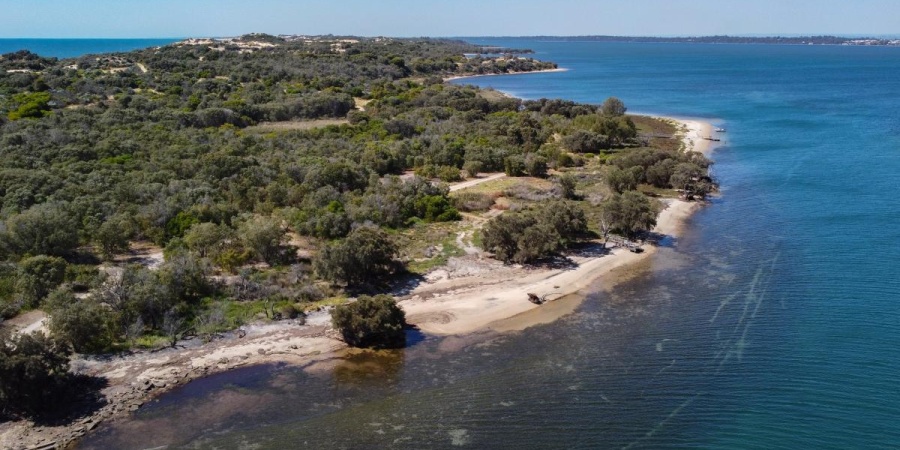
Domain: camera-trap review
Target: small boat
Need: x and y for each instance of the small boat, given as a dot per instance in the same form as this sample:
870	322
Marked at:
720	130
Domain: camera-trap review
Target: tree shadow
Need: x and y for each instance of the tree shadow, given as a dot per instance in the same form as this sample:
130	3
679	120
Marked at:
555	263
414	336
589	250
80	397
404	284
660	240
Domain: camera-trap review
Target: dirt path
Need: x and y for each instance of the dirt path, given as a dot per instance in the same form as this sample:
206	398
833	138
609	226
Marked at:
476	182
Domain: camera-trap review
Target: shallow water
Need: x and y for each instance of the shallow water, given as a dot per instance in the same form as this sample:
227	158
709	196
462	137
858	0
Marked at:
771	323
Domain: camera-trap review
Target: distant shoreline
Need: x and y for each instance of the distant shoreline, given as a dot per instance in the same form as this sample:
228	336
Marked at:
479	75
768	40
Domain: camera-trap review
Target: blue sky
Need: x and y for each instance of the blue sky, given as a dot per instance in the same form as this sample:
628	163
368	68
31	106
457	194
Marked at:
183	18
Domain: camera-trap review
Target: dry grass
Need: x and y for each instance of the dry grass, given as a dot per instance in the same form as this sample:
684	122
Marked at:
492	95
661	132
291	125
427	246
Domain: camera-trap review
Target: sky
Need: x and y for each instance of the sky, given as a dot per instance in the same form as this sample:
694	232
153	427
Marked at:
403	18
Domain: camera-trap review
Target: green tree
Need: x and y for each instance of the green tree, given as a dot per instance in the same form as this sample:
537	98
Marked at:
528	235
45	229
621	180
661	172
365	255
38	276
567	184
631	213
691	179
585	141
566	219
33	372
176	226
371	322
612	106
84	324
185	277
436	208
207	239
112	236
265	237
449	174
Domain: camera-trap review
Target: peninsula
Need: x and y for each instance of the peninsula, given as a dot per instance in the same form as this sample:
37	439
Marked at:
178	211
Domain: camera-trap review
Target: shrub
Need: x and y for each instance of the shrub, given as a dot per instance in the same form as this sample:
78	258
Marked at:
514	166
473	168
567	183
436	208
449	174
371	322
536	165
472	201
290	311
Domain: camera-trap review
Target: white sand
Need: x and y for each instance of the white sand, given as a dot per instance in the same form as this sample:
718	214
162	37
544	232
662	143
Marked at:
461	77
694	133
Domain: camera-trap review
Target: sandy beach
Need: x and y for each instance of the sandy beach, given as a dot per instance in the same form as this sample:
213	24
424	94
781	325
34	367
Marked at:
462	77
694	134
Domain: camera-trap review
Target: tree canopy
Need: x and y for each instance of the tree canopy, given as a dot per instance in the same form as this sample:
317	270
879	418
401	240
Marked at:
371	322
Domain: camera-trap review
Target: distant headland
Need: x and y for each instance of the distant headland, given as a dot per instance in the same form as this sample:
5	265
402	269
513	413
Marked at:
783	40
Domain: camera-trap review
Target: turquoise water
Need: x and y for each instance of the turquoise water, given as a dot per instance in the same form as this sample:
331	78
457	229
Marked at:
773	322
72	48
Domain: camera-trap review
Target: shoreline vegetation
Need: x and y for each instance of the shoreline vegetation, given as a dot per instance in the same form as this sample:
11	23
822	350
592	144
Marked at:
449	285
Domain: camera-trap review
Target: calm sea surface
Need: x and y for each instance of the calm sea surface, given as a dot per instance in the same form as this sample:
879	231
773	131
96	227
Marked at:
774	322
71	48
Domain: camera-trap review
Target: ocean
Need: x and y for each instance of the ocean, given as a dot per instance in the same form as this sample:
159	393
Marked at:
773	322
73	48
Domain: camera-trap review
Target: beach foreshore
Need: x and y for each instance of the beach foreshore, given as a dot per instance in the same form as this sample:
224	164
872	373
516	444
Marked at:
471	294
452	306
696	135
462	77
